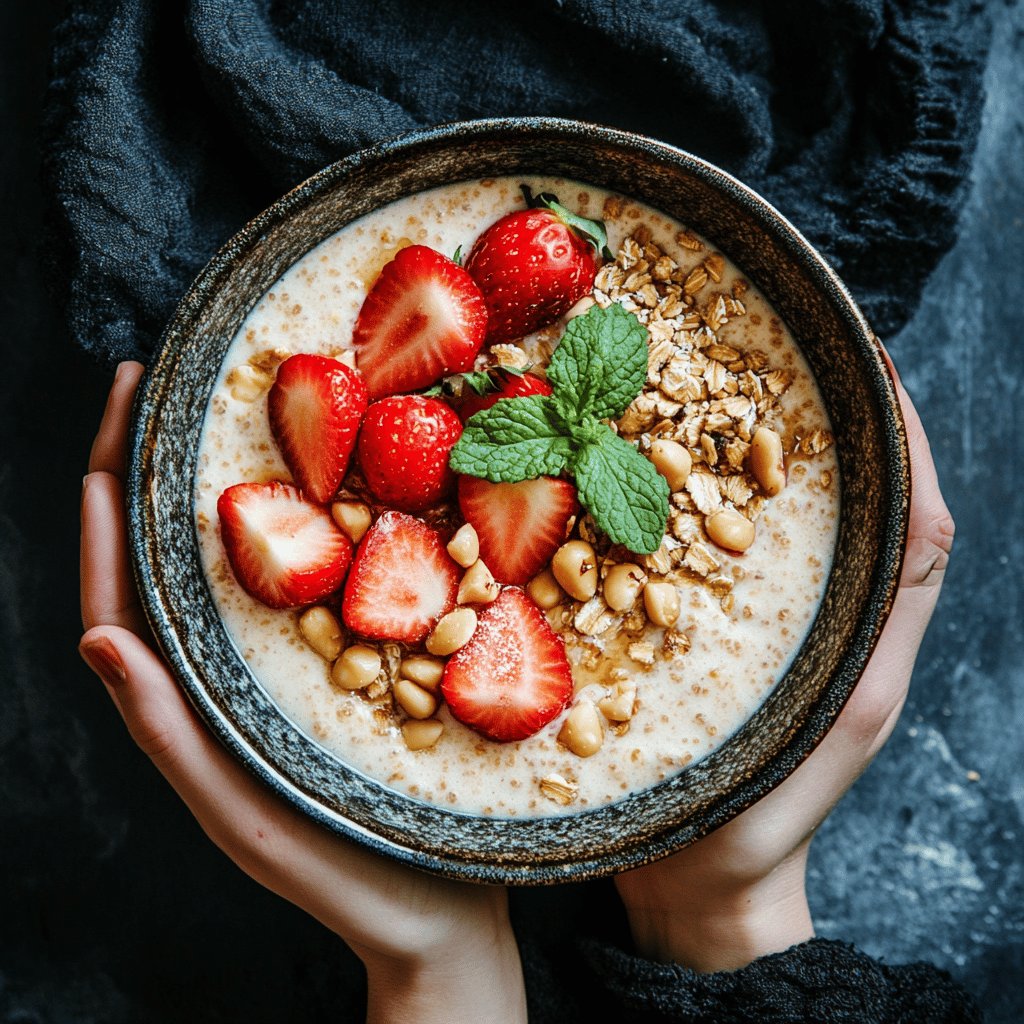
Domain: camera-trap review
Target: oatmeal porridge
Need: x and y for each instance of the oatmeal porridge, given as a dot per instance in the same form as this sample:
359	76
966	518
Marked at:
669	650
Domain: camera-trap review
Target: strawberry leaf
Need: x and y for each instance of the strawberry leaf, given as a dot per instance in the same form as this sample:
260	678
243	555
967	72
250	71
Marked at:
520	439
600	364
592	231
622	490
480	382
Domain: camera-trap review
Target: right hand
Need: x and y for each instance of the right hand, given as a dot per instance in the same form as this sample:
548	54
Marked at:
739	893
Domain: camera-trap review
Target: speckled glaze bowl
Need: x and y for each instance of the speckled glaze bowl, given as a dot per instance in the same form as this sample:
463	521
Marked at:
871	447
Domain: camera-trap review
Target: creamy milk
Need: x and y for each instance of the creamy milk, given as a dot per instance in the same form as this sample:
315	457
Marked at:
688	704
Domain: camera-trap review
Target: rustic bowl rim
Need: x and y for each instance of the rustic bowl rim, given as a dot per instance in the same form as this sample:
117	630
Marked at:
821	717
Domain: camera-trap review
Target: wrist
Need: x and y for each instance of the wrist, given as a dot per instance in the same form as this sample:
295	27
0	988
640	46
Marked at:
483	981
724	927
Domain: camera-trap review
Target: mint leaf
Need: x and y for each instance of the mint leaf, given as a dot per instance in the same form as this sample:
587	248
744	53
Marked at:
600	364
518	439
622	490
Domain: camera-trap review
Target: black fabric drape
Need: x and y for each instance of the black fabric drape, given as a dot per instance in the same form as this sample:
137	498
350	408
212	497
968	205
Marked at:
171	123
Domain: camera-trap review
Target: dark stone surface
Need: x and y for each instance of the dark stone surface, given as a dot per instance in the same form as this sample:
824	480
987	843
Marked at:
115	908
923	857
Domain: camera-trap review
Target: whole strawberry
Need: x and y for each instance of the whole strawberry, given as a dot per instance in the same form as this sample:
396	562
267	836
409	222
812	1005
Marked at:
534	265
505	385
403	451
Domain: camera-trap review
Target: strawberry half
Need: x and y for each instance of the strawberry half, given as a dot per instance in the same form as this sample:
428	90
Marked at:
315	407
403	450
510	385
423	318
513	677
534	265
284	551
402	581
520	525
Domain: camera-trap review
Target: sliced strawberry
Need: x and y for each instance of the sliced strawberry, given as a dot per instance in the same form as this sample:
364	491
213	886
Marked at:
423	318
510	385
285	551
520	525
534	265
403	451
402	581
315	407
513	677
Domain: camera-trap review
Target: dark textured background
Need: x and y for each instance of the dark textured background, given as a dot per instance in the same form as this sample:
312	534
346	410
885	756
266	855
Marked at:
115	908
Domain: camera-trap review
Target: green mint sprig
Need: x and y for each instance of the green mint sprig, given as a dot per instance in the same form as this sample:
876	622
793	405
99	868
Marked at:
599	367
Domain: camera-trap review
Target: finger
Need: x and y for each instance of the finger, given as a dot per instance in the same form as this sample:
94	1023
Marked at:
108	450
108	593
931	528
274	844
227	802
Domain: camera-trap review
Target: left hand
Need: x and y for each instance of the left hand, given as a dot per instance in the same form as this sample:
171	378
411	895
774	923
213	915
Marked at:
434	950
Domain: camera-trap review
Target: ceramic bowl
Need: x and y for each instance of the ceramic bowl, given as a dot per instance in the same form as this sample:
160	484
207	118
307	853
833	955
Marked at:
871	448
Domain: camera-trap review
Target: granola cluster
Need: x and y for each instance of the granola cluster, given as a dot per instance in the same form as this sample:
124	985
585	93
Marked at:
700	392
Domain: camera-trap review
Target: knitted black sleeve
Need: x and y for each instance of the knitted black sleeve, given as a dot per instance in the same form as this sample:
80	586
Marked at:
817	982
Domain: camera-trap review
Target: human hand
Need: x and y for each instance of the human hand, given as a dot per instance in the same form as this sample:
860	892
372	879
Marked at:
739	893
434	950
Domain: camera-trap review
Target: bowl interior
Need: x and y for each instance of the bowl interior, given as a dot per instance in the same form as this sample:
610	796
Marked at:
870	444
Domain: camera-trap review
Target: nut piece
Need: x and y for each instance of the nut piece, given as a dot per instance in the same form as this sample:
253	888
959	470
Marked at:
672	461
322	631
622	586
452	632
464	547
730	530
423	671
620	707
420	735
353	519
357	667
594	617
561	790
581	307
582	731
642	652
248	382
661	599
478	586
575	568
414	700
544	590
766	462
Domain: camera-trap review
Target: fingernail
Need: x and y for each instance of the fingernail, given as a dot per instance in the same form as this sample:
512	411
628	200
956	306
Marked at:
102	657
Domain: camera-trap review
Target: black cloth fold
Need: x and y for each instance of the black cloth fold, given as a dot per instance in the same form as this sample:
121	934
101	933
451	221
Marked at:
817	982
169	124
